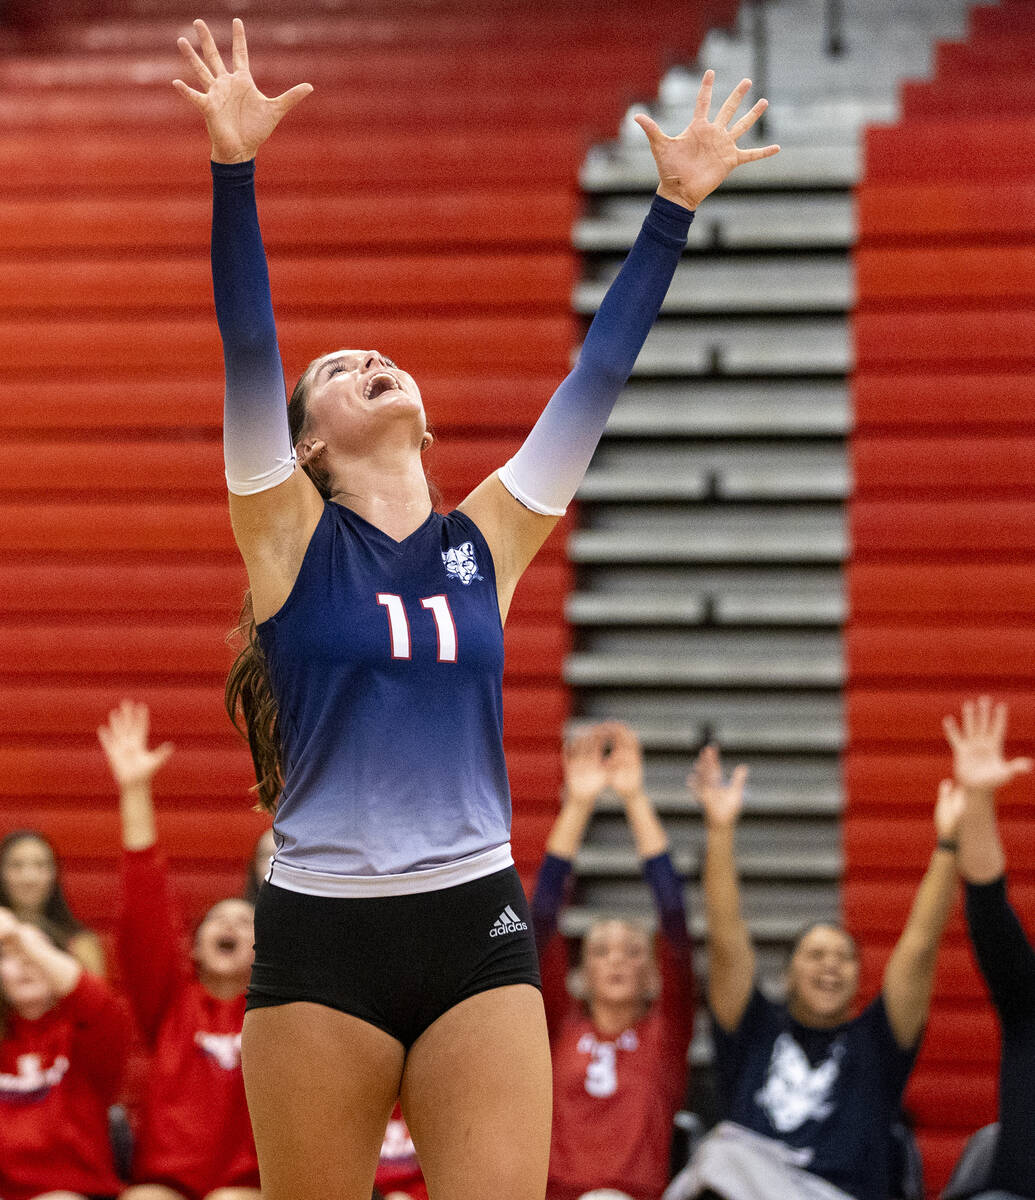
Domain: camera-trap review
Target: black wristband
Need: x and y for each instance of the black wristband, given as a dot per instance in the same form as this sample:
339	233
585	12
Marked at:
949	844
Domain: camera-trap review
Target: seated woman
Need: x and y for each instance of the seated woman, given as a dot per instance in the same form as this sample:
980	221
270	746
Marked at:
1004	953
63	1044
619	1051
194	1138
30	886
809	1092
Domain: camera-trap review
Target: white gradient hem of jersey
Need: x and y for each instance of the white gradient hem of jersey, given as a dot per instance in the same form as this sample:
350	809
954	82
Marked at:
358	887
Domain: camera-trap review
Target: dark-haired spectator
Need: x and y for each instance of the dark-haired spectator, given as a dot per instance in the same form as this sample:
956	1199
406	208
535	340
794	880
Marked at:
1003	950
619	1049
810	1093
30	886
63	1043
194	1139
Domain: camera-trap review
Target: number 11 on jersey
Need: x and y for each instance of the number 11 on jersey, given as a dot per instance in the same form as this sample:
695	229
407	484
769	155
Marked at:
399	625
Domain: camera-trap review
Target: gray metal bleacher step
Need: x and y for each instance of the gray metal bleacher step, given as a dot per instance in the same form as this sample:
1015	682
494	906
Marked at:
708	659
747	346
730	221
757	283
748	534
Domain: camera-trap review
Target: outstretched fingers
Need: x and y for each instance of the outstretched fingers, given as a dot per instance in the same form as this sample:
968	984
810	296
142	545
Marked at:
704	96
756	152
240	47
196	64
748	119
732	103
286	101
209	49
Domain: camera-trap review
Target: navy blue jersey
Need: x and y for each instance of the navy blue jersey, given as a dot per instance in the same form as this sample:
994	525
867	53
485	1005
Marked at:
386	662
832	1092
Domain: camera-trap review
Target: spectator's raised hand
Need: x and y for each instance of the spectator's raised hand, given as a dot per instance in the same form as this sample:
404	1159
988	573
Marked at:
948	810
124	741
721	802
978	761
693	164
585	767
624	761
238	116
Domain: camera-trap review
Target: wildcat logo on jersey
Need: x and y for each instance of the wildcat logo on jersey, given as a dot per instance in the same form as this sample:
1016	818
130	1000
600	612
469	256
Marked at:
33	1080
225	1048
460	563
794	1090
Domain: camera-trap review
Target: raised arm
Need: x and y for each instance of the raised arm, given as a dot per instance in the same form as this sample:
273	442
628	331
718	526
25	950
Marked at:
909	974
731	956
149	930
274	507
517	507
1003	950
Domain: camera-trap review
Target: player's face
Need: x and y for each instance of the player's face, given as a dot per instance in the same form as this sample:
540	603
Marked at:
224	943
617	963
822	977
354	394
28	873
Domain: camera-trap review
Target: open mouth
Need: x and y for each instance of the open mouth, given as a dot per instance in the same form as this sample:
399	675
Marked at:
380	383
227	945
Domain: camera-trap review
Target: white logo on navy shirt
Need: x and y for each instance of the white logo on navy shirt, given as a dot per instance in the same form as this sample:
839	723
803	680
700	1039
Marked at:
225	1048
794	1091
460	563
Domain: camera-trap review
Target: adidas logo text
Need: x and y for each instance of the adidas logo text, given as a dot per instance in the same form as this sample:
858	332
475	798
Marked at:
507	922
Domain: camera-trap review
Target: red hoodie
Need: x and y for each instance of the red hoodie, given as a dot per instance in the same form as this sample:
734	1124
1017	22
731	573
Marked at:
58	1075
194	1133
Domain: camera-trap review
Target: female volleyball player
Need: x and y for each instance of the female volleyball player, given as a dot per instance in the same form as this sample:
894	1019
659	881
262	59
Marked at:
393	949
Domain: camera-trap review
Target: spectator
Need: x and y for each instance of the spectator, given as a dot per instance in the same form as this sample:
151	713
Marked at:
1004	953
810	1094
30	886
63	1044
194	1137
619	1052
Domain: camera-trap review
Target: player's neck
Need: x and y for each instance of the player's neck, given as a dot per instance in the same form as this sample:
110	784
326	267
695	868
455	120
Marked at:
393	496
611	1019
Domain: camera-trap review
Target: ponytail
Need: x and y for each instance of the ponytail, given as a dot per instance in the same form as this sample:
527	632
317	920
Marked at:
253	710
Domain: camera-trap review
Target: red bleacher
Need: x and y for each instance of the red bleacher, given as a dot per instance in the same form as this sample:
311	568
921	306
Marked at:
942	581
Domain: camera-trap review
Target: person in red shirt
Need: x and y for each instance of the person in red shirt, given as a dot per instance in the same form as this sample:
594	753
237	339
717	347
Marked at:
64	1038
194	1138
620	1051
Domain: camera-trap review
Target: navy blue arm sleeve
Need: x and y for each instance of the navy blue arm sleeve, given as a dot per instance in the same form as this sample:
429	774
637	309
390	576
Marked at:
256	443
1004	953
665	884
547	470
549	896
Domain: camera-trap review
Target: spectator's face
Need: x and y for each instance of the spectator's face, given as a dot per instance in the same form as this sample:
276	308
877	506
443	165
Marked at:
822	977
24	985
224	944
617	963
28	874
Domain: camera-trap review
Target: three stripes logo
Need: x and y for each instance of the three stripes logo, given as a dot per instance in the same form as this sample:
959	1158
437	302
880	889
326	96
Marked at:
507	922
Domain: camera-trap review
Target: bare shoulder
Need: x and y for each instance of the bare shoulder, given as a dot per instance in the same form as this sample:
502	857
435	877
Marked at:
272	529
514	533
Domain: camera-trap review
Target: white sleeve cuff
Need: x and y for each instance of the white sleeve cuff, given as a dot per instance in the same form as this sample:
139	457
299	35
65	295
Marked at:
282	470
506	477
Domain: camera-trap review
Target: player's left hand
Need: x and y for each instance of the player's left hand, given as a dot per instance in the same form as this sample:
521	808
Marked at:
693	164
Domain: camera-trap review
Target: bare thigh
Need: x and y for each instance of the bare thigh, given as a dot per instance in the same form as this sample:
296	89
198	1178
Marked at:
320	1086
476	1094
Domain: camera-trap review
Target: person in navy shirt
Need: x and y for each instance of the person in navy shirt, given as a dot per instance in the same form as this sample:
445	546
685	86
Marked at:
1003	950
809	1093
394	955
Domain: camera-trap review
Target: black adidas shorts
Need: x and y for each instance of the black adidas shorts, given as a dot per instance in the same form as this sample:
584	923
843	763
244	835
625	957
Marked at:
398	962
